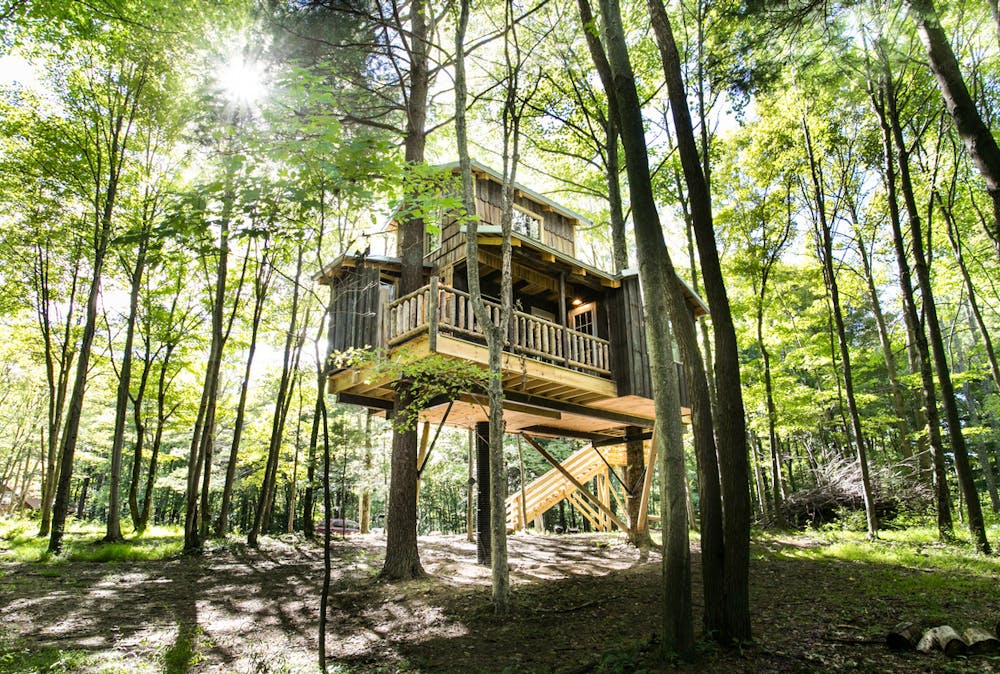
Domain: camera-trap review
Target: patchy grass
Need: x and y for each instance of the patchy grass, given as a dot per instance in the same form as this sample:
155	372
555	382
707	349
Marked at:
19	542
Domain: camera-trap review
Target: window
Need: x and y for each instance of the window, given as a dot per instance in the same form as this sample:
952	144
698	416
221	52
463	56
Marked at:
526	223
582	319
432	236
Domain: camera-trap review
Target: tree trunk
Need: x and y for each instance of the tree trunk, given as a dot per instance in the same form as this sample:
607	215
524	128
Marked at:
293	346
74	413
114	531
401	522
976	136
730	419
262	282
635	473
365	516
918	339
657	277
825	247
210	388
888	355
955	238
402	560
948	401
58	366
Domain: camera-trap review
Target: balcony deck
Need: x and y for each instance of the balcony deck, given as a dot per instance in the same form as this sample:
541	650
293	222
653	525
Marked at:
557	381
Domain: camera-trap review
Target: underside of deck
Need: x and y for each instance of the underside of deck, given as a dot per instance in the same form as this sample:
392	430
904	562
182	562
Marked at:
539	398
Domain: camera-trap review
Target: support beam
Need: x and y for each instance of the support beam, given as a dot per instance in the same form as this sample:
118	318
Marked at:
576	483
558	432
570	408
364	401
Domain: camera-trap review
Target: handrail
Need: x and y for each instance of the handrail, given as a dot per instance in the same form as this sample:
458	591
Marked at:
450	311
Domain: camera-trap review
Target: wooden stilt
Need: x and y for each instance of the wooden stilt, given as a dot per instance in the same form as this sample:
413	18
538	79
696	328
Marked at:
647	482
422	454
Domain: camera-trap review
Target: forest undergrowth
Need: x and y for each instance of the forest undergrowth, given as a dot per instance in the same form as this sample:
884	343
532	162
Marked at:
822	600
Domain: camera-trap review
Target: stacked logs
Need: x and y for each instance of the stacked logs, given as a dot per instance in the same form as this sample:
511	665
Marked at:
974	641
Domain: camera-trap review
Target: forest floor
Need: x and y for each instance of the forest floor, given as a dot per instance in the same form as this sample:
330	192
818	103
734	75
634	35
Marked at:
581	603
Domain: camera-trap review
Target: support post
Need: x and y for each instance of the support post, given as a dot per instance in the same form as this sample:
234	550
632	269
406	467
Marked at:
647	482
483	547
432	316
562	317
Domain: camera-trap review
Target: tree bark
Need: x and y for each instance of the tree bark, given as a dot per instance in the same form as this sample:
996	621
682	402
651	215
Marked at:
730	419
825	247
920	355
969	124
934	335
402	561
657	277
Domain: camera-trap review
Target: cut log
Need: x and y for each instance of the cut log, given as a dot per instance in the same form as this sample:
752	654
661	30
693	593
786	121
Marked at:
903	637
981	642
945	638
926	643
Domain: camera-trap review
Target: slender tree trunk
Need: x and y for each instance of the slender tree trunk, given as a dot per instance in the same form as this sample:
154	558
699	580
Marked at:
825	246
969	124
114	532
948	401
293	345
210	388
57	370
920	355
730	419
262	282
955	238
365	517
657	277
888	355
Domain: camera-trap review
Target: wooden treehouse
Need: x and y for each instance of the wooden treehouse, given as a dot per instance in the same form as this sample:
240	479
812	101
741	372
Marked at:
575	361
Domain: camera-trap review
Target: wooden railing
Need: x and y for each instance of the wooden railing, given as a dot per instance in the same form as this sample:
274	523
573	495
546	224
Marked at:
437	309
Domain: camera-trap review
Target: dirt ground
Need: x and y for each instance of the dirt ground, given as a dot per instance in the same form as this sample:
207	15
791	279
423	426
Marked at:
585	602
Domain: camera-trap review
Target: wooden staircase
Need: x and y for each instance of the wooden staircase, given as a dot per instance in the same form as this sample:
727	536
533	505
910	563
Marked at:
583	465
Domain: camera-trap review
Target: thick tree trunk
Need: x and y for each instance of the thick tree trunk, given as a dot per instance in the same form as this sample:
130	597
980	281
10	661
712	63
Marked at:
401	523
402	560
730	419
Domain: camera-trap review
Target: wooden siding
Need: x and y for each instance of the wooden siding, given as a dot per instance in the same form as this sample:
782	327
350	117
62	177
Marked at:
629	358
355	311
557	229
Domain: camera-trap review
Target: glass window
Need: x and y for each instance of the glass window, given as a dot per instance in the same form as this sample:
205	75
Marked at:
526	224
